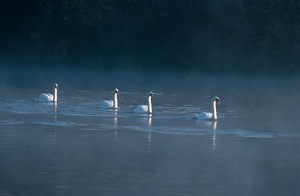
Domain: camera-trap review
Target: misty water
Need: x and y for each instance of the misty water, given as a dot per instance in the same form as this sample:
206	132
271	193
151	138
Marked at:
75	148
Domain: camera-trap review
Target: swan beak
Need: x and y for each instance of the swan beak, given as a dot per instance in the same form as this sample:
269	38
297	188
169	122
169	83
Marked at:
218	102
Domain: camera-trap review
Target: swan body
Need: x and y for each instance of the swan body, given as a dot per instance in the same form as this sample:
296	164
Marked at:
111	103
141	109
207	115
46	97
107	104
145	108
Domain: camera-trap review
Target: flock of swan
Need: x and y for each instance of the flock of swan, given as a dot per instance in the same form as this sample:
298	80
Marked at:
46	97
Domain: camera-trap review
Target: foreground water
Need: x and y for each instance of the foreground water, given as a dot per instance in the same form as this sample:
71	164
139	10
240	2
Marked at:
75	148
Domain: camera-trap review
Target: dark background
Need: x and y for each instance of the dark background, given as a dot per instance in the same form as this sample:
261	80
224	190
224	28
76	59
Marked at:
234	36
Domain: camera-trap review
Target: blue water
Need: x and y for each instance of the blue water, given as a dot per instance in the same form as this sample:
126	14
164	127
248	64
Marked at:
75	148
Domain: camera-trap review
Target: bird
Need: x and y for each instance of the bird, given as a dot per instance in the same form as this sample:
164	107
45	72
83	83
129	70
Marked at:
111	103
145	108
44	97
207	115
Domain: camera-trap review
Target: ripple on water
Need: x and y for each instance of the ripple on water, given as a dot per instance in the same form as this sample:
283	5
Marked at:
164	120
11	122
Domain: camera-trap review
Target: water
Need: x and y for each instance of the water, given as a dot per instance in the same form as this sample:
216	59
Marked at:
75	148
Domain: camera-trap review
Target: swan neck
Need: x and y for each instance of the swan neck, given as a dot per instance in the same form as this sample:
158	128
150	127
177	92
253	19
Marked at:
149	105
115	100
214	107
55	95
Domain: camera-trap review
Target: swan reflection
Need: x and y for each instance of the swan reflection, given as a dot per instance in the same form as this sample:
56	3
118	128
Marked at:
207	124
149	141
145	119
214	136
149	132
55	111
149	120
115	120
211	125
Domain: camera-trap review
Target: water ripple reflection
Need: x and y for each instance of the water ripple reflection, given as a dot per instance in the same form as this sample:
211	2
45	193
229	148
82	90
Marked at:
167	118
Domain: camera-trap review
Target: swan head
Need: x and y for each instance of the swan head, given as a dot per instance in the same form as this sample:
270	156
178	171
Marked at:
55	86
151	94
216	99
117	91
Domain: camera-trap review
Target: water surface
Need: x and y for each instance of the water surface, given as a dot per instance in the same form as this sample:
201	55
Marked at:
75	148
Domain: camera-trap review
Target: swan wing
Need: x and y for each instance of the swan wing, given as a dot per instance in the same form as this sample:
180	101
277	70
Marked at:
107	104
45	97
141	109
204	116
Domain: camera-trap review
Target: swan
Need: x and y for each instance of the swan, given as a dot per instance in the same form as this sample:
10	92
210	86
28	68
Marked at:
207	115
111	103
48	96
145	108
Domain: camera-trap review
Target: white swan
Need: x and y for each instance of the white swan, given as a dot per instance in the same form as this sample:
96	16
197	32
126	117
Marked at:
145	108
207	115
48	96
111	103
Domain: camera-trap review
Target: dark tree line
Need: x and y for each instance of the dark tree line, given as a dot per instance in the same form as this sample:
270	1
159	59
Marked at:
241	35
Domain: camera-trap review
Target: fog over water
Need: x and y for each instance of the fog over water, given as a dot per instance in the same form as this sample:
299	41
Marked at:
74	147
185	52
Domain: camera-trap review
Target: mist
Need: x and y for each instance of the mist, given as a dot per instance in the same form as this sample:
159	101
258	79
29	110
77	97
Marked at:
243	51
